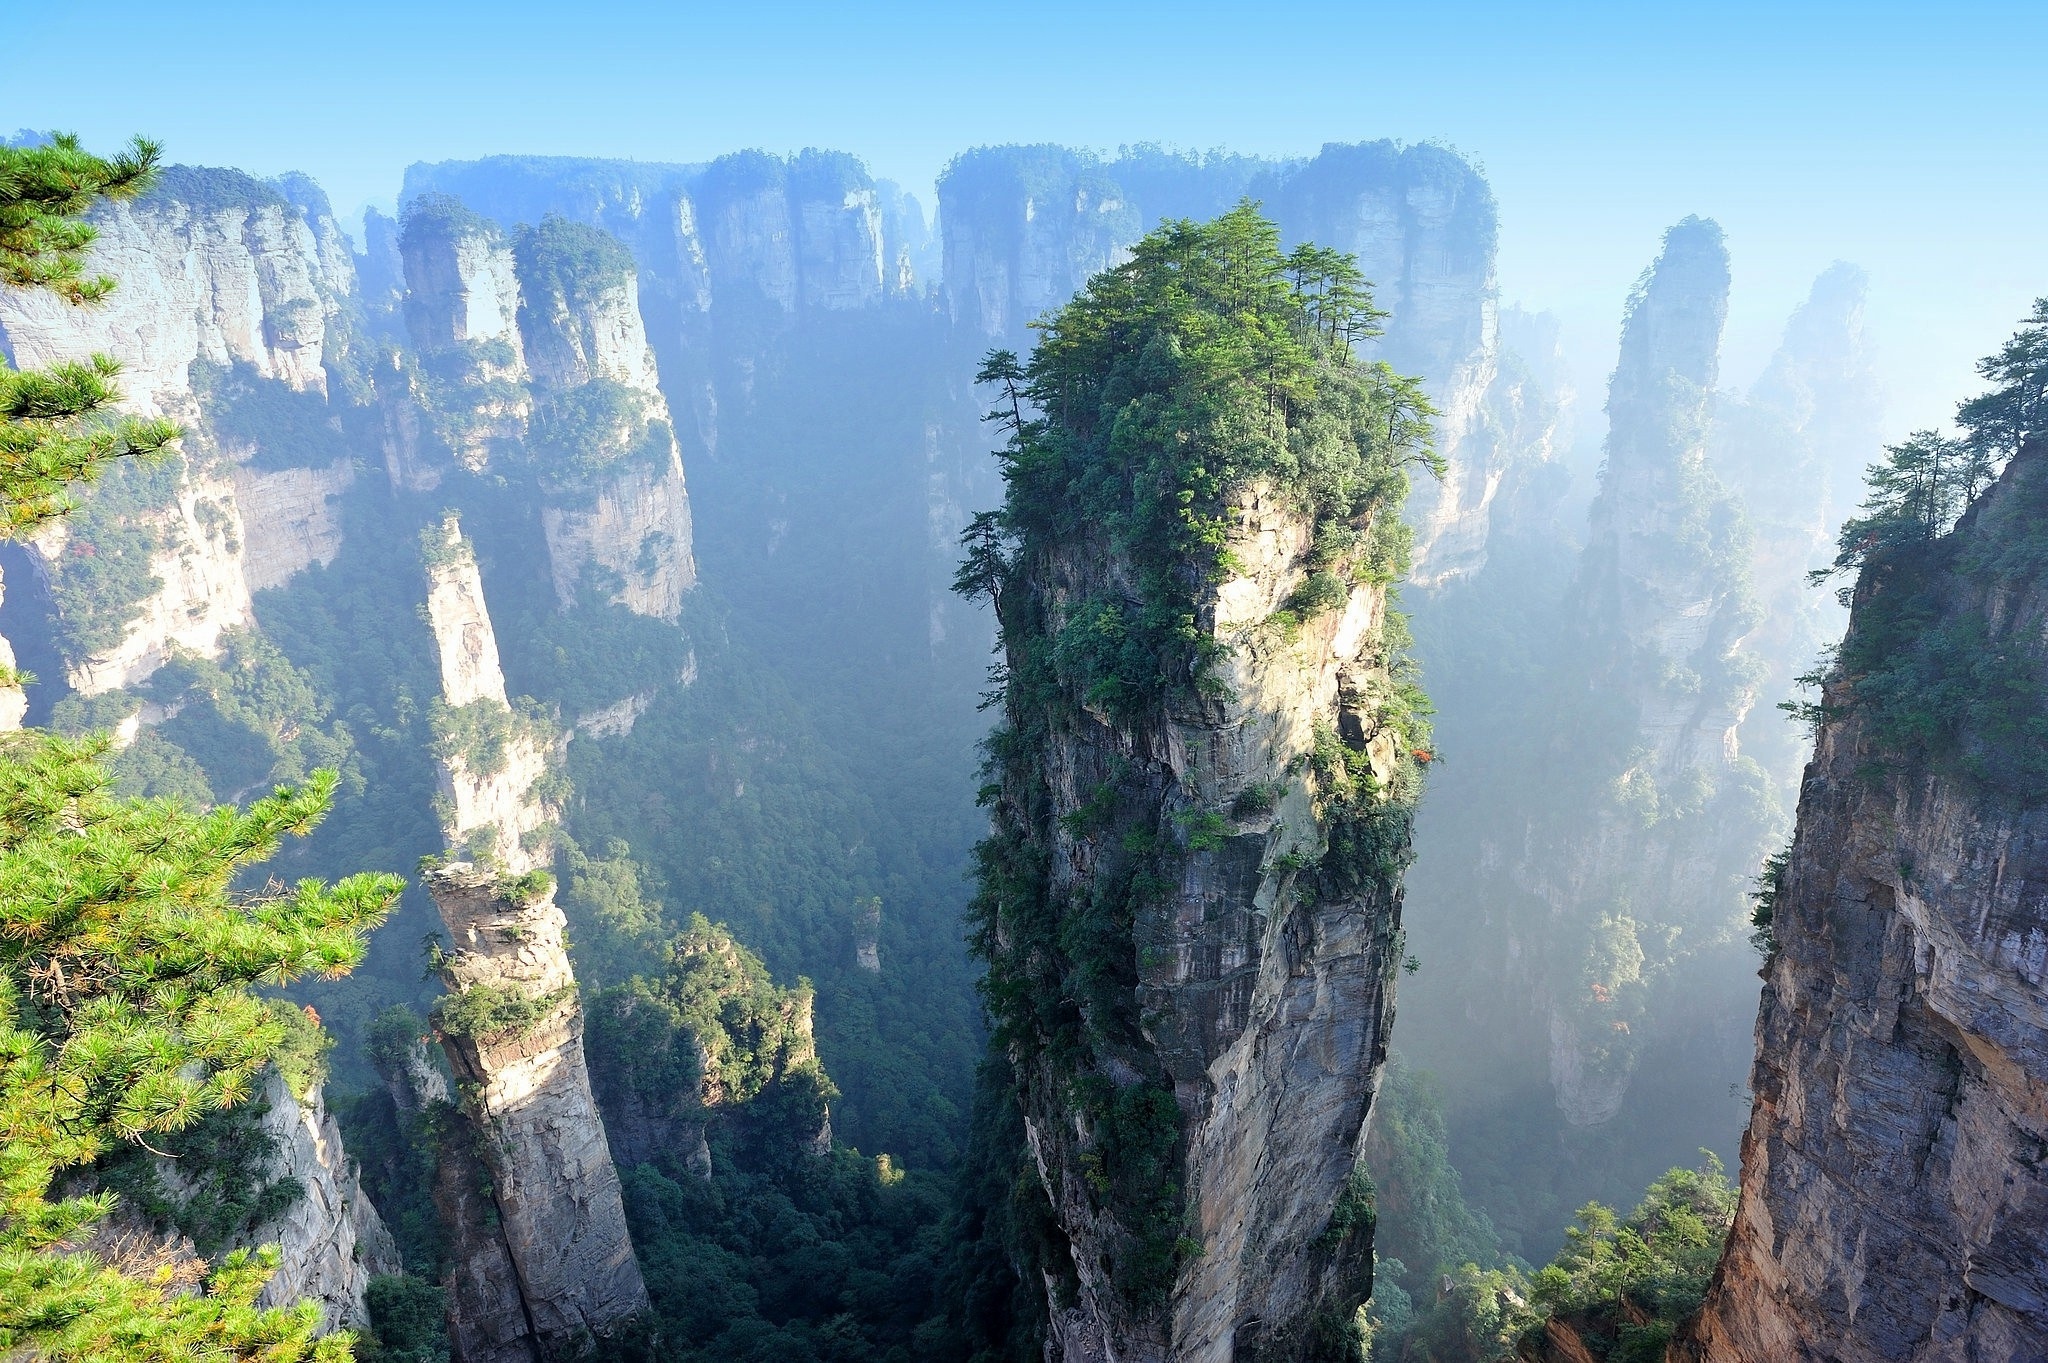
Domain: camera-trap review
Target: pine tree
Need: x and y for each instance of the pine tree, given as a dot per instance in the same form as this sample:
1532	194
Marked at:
57	426
127	957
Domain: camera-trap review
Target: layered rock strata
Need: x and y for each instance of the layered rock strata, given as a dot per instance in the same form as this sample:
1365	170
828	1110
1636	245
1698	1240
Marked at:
541	1257
1894	1203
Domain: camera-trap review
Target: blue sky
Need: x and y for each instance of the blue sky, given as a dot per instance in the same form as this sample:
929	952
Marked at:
1912	140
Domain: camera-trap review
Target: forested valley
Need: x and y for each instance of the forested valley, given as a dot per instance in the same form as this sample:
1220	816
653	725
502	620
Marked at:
709	761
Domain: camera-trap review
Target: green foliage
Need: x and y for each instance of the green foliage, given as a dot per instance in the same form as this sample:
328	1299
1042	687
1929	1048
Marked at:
1198	368
251	719
591	429
612	903
45	191
492	1014
1770	888
1937	680
442	544
527	889
125	1013
2002	420
301	1057
1658	1261
1914	497
283	426
57	426
483	733
408	1321
1425	1223
107	567
218	1190
569	263
780	1251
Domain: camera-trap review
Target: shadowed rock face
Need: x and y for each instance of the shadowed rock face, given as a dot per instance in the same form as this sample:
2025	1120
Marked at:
1894	1200
541	1254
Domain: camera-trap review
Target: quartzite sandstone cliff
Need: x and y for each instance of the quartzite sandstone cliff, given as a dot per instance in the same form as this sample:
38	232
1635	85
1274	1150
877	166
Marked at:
1894	1206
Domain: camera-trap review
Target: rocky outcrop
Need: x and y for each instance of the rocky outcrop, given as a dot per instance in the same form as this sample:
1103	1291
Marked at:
220	270
464	640
194	551
460	282
1190	901
541	1256
601	439
634	531
465	392
1894	1202
213	265
867	934
493	759
1646	861
331	1241
811	231
695	1048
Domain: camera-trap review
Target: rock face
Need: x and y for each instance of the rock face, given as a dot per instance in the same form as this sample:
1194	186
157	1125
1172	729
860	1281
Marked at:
460	282
212	265
202	589
288	521
541	1255
1671	822
1893	1198
1265	993
214	268
493	760
331	1241
867	935
463	638
812	231
601	437
674	1057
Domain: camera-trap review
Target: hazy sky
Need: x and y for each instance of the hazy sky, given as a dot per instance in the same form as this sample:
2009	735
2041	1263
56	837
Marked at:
1912	140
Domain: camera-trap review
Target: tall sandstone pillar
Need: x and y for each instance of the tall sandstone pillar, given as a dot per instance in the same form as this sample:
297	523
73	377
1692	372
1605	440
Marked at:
1190	902
541	1257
